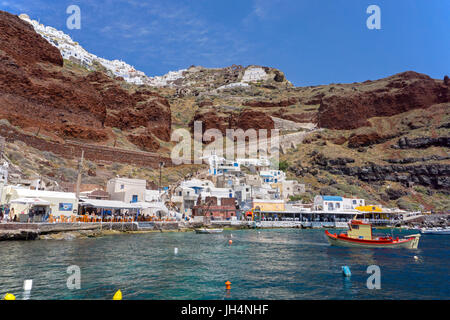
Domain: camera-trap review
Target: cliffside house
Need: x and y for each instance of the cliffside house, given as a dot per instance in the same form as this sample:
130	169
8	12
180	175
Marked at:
127	190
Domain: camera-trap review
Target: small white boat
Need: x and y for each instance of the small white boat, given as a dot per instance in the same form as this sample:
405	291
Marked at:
436	230
206	230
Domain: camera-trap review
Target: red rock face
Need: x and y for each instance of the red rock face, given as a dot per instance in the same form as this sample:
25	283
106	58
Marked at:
37	92
247	119
271	104
19	41
211	120
145	142
296	117
384	97
361	140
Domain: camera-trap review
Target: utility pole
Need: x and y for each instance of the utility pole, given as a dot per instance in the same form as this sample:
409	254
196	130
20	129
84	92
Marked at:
161	164
2	147
80	169
4	171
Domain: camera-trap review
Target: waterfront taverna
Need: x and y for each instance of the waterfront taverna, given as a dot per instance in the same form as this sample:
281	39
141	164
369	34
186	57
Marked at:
47	202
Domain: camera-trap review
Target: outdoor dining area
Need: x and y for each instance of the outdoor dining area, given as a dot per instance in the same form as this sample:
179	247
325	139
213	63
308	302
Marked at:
94	218
29	210
110	211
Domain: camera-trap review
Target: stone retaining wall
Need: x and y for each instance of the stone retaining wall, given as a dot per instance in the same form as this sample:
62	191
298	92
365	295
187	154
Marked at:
119	226
72	149
157	225
18	226
62	227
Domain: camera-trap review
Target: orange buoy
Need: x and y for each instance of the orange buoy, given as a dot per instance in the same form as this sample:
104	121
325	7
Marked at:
228	285
230	241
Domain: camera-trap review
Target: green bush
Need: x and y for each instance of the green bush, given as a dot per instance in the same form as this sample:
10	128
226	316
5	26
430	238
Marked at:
283	165
116	166
68	173
15	156
407	205
50	156
304	198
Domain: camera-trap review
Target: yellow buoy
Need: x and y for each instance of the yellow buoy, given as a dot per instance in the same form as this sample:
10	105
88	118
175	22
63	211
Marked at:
9	296
118	295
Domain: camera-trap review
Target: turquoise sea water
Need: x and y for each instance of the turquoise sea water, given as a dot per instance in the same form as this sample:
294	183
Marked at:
260	264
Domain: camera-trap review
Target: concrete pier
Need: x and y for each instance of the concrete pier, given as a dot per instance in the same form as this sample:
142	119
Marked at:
33	231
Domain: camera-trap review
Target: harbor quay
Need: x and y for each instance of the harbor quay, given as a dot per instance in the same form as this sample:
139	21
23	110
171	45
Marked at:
224	196
69	230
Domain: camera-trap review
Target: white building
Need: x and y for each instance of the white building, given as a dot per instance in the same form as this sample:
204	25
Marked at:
217	192
243	192
127	190
352	203
336	203
247	162
187	193
272	176
265	192
71	50
254	74
3	176
291	188
153	195
4	173
219	165
56	203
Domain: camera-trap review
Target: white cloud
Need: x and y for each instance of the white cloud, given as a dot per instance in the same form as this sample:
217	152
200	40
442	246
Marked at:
262	10
173	32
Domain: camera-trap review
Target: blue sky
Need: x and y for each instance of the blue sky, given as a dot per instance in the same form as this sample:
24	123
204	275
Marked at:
312	42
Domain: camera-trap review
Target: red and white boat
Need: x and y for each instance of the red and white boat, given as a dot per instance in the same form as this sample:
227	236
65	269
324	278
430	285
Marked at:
360	235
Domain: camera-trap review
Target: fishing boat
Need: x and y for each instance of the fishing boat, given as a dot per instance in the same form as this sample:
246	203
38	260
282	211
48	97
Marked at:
360	235
207	230
436	230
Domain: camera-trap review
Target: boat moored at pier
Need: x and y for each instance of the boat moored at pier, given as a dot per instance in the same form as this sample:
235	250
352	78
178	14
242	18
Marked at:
360	235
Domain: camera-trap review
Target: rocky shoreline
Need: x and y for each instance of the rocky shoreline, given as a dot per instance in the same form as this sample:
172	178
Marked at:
68	231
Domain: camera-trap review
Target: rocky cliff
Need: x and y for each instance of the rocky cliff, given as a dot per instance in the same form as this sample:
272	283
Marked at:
245	120
39	93
385	140
350	109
